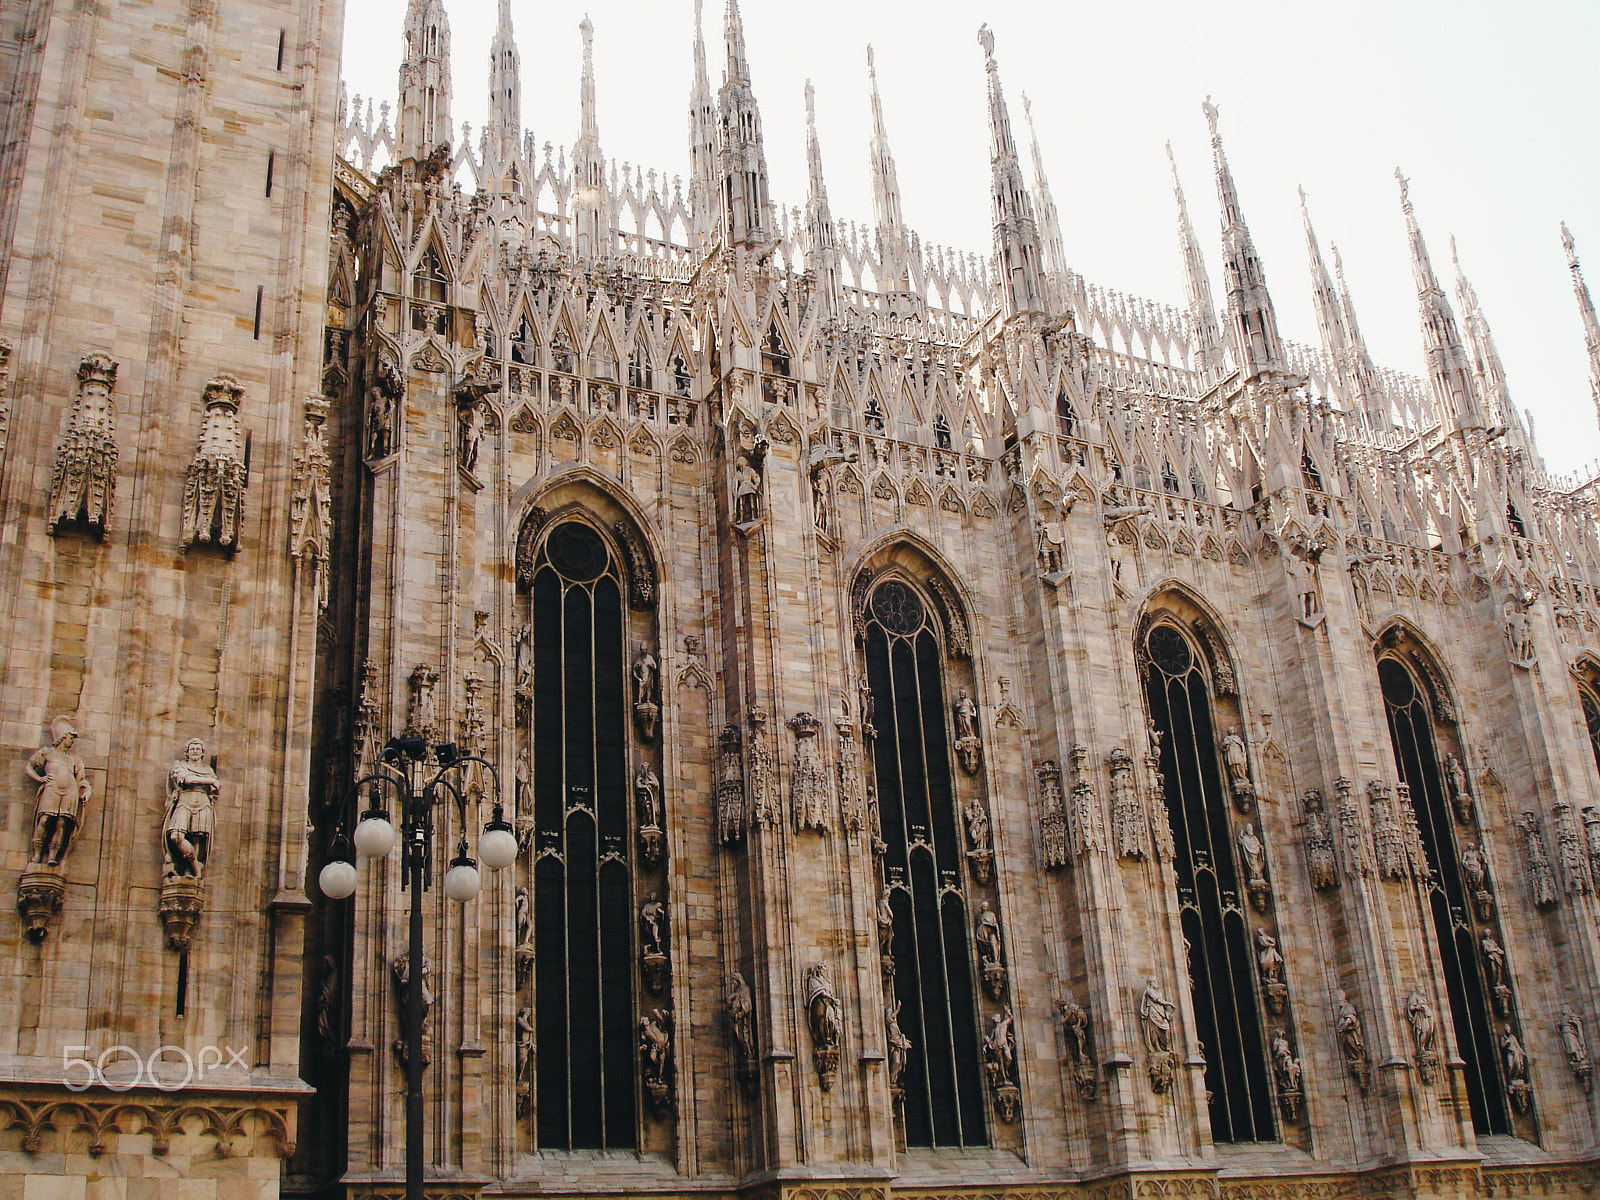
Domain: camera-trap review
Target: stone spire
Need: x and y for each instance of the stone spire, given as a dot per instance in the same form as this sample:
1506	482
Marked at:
1210	362
1055	255
591	216
746	212
505	91
1591	325
1325	298
1016	238
702	144
1488	371
1448	370
1366	387
1252	322
885	183
822	253
424	81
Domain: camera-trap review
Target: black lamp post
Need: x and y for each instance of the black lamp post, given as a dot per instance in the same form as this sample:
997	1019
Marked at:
400	765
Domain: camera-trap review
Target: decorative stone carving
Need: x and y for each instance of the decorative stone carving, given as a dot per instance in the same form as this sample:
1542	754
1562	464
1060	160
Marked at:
810	785
851	801
1519	635
731	814
899	1048
1388	839
1541	876
1570	1029
1053	818
969	747
383	409
1087	826
1253	860
213	486
646	693
1075	1027
884	917
980	852
1570	851
747	484
1355	849
647	799
1515	1060
1155	1020
823	1018
741	1019
1475	881
1269	965
958	642
1352	1041
653	943
470	423
1406	814
311	497
527	541
83	482
63	792
655	1058
400	975
641	567
758	769
422	717
1424	1036
41	891
1000	1064
1050	537
186	832
1286	1072
991	954
1320	858
1129	831
1460	790
1237	760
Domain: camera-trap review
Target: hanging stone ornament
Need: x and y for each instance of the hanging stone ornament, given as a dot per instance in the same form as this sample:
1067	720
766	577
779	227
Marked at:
810	786
1541	876
1355	849
1321	862
84	479
311	498
646	693
1087	826
57	815
851	800
213	486
731	813
1129	830
1000	1064
1160	819
1406	814
1591	835
1053	818
822	1018
655	1058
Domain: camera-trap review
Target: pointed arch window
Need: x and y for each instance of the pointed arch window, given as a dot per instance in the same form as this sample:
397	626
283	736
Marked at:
1221	968
582	903
430	282
933	975
1416	755
640	373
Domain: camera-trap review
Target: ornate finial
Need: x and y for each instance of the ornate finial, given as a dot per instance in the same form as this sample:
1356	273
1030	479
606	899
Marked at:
1405	190
1211	111
586	27
1569	246
1453	256
986	40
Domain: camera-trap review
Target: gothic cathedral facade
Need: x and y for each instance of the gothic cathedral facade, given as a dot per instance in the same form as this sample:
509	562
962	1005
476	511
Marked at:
964	731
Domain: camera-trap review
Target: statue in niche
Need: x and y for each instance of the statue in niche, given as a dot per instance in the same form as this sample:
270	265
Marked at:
400	973
980	854
885	918
822	1017
646	689
1494	970
1475	881
524	783
969	749
647	797
655	1049
986	933
1460	793
652	943
524	1045
1269	965
899	1049
1424	1036
1570	1027
1253	857
1000	1063
1075	1025
380	420
1155	1018
524	662
747	487
1286	1067
1051	539
742	1029
524	917
192	789
1352	1042
63	791
1515	1060
1237	759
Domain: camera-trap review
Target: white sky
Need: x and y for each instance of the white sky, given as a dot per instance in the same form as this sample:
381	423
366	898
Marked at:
1491	109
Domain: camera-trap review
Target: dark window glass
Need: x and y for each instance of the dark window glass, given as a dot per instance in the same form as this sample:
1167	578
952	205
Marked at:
933	979
583	928
1220	964
1591	718
1415	756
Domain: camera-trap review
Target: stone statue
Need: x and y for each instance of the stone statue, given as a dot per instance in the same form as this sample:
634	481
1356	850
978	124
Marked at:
1155	1019
1515	1060
1424	1036
1000	1049
524	1042
1075	1025
977	824
63	791
328	1005
1050	537
1570	1027
899	1048
1494	959
885	919
966	716
651	916
655	1049
746	491
1460	794
1253	857
524	660
524	915
822	1016
192	789
647	793
741	1018
1352	1042
1286	1067
524	781
646	675
400	972
986	933
1268	959
1237	760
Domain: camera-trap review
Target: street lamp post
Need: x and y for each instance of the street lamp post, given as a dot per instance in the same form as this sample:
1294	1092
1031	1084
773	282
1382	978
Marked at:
400	764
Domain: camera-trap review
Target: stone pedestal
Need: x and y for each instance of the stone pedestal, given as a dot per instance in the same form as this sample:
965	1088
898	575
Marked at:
182	900
40	892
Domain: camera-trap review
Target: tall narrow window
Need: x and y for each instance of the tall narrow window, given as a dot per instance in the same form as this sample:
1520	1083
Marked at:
1417	758
1221	971
1591	720
583	927
933	979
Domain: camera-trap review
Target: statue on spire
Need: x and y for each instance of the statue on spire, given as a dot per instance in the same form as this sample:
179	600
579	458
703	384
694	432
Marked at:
1211	111
986	40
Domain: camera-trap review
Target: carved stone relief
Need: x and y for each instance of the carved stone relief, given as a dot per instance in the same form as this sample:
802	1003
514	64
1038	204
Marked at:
1541	876
213	485
1388	839
1570	851
758	769
741	1020
1129	831
84	479
822	1013
1321	861
731	812
1053	815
